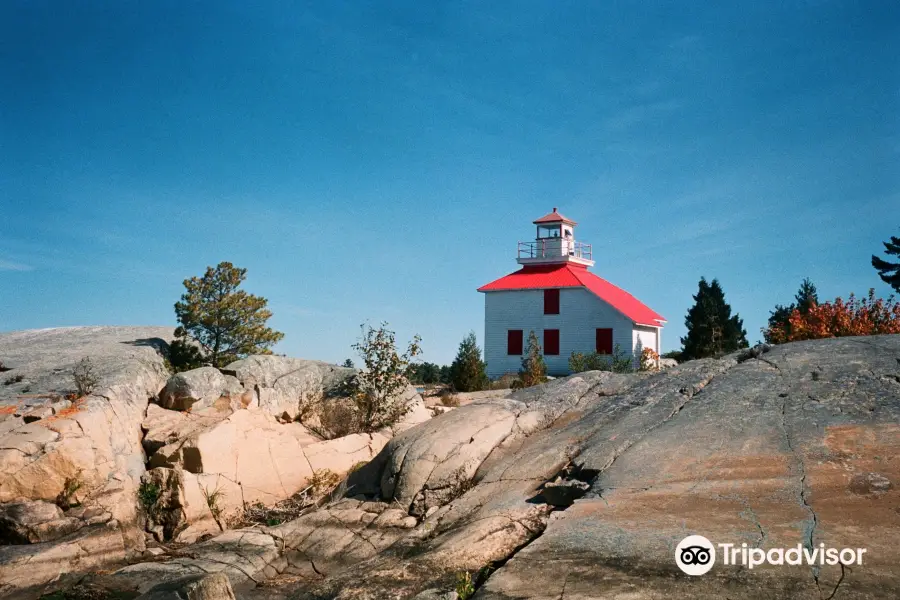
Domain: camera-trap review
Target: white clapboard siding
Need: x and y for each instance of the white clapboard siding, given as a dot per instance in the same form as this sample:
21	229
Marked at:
644	337
581	313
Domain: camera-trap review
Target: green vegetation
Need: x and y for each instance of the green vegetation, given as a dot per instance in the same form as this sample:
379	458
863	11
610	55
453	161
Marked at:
86	379
779	319
148	494
711	329
348	363
227	322
467	373
617	362
889	271
465	586
184	356
377	390
65	498
533	371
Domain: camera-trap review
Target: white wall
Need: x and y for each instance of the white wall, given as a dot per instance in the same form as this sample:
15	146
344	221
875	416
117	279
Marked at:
581	313
644	337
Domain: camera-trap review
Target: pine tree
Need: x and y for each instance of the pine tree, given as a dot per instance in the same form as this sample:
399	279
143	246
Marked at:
467	371
888	271
712	330
534	371
779	319
227	322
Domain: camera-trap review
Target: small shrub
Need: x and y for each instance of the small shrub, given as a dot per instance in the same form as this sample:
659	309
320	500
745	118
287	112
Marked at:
212	502
148	494
86	379
336	417
323	481
184	356
673	354
376	391
70	488
649	360
617	362
448	399
504	382
465	586
13	379
868	316
460	483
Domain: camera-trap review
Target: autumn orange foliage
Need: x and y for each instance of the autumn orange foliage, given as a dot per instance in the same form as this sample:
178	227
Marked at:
868	316
649	360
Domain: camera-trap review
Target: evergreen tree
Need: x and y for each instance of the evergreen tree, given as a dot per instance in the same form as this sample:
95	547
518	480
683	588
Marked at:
348	363
779	319
445	374
534	371
888	271
227	322
467	371
711	329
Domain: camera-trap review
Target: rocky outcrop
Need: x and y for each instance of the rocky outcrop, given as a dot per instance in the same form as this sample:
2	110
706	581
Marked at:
792	446
284	385
87	452
202	388
244	458
214	586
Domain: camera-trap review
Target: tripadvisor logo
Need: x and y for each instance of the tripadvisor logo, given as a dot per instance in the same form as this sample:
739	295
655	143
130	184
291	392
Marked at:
696	555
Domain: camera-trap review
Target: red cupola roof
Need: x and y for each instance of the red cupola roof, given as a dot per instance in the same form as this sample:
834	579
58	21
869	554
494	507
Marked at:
554	217
571	275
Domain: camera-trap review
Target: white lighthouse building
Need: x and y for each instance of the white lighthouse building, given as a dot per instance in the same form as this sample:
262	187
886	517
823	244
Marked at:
568	307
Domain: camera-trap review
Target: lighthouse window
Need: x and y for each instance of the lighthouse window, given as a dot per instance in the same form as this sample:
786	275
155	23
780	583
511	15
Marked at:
514	342
548	231
551	302
551	342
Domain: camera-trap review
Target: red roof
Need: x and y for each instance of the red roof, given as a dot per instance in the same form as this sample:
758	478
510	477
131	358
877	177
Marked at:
533	277
554	217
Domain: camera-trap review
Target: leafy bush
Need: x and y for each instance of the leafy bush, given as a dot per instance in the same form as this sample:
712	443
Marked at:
617	362
184	356
465	586
86	379
148	494
376	391
869	316
649	360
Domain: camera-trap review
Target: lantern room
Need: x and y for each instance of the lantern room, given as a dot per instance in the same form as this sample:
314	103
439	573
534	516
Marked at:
555	243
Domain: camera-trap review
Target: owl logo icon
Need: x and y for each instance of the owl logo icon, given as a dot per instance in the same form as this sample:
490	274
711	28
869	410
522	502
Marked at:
695	555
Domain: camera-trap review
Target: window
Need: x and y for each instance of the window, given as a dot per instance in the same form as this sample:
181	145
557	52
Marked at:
551	302
604	341
551	342
514	342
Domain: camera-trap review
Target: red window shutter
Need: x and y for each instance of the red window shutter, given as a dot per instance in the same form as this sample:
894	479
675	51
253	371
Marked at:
604	341
551	342
514	342
551	302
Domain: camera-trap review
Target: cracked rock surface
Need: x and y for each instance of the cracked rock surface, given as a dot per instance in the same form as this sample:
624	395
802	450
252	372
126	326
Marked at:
799	445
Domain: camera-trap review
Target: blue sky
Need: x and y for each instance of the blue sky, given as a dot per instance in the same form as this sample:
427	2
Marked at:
379	161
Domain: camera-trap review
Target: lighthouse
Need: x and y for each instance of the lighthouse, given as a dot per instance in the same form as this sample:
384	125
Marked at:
570	308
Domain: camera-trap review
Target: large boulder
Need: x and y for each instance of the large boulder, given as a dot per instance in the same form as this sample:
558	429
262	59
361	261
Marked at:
245	458
202	388
34	521
283	385
214	586
88	452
